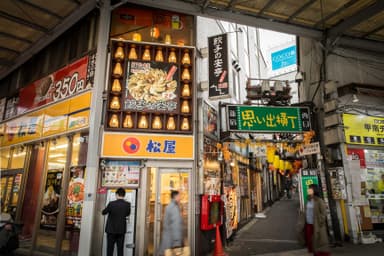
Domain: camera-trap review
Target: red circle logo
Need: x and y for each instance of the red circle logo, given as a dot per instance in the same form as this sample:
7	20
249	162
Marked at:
131	145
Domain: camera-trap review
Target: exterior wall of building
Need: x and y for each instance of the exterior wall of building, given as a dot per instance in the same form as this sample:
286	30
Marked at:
344	67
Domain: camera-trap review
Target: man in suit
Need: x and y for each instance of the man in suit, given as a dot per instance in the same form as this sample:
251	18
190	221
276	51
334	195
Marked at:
117	211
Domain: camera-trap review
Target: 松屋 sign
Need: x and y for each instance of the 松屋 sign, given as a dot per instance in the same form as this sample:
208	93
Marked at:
310	149
268	119
145	146
364	130
218	67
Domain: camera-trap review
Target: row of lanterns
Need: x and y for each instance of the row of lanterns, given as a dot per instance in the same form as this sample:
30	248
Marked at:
159	56
144	124
155	33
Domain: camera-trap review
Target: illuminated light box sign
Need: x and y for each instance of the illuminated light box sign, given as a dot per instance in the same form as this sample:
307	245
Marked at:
144	146
268	119
284	58
364	130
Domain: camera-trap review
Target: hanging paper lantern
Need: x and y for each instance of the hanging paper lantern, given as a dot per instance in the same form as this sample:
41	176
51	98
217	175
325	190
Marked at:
276	162
155	32
270	154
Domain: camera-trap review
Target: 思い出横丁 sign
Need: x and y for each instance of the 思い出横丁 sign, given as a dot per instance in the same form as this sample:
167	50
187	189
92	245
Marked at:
146	146
268	119
218	66
364	130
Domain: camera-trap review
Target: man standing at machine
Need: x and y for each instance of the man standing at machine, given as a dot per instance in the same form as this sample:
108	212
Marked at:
117	211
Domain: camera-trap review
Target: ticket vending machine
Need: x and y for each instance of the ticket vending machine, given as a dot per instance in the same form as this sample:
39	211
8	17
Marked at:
129	242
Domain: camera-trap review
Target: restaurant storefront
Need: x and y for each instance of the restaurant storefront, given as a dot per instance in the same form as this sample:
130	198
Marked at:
148	142
365	140
43	157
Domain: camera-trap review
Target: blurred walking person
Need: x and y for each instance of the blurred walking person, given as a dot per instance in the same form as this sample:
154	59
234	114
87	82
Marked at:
316	237
172	236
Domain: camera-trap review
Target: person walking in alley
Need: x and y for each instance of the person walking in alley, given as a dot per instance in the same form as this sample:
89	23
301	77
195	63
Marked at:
172	236
117	211
316	236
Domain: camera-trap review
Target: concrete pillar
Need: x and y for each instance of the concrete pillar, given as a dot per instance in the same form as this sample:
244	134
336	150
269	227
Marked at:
95	129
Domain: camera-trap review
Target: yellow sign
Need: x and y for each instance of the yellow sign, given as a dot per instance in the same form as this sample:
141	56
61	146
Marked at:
364	130
70	114
128	145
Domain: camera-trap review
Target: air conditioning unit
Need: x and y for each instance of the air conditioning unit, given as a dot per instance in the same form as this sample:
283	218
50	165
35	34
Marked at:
332	120
333	136
330	87
330	106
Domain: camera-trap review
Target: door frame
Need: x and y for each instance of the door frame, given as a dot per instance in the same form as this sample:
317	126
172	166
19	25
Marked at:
188	165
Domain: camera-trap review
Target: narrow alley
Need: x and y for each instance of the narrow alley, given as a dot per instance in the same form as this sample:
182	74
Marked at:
275	235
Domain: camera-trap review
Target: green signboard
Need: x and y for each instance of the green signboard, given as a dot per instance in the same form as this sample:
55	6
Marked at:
242	118
308	177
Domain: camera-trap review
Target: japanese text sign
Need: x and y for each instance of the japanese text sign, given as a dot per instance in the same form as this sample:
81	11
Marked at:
364	130
218	66
123	145
70	80
283	58
310	149
268	119
308	177
152	86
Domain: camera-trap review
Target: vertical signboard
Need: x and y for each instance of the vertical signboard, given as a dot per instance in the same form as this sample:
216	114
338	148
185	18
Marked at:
218	67
308	177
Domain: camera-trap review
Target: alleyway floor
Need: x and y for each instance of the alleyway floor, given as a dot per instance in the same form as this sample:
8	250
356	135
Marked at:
276	236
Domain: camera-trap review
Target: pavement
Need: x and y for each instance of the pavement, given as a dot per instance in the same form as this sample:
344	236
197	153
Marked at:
275	235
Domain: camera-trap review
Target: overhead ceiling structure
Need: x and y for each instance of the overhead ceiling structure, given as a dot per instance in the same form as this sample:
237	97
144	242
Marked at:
351	23
27	26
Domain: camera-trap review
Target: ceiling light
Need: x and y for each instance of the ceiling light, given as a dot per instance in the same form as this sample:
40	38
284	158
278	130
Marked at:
355	99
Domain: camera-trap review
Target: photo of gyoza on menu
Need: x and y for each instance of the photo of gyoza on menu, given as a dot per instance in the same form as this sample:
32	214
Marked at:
151	86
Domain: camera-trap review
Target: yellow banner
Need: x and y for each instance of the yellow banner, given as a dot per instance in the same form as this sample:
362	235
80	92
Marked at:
54	119
364	130
128	145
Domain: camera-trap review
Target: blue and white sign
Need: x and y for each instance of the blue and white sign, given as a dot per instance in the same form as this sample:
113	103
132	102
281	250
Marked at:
284	58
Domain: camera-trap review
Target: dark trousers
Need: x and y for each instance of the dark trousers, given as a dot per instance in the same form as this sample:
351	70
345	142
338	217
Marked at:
111	240
309	241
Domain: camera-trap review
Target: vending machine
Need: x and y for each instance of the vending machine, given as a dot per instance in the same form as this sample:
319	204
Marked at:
129	242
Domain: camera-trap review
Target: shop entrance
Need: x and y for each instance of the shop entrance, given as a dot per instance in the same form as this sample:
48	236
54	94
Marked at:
160	184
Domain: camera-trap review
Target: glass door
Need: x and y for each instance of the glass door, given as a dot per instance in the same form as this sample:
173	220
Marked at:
49	211
160	184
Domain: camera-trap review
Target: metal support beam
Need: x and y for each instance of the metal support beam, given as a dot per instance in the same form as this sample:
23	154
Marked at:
356	19
5	62
373	31
333	14
39	8
23	22
6	49
363	44
266	6
242	17
87	236
300	10
64	25
21	39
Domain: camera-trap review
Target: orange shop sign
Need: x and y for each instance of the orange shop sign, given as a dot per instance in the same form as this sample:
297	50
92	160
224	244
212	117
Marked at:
132	145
